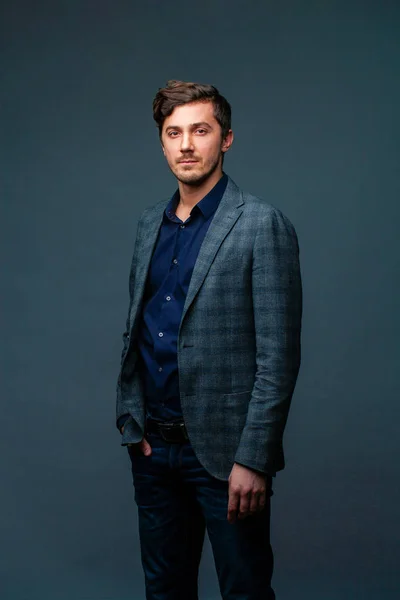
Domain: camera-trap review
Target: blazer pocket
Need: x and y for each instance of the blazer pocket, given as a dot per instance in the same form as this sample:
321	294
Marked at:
237	402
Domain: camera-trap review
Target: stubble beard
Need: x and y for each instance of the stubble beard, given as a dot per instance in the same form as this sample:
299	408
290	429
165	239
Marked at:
196	179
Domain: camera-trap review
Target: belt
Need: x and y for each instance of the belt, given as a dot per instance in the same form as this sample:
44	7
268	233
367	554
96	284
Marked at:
174	433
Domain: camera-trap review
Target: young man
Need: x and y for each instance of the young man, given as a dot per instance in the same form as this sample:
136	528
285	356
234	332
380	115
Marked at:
210	360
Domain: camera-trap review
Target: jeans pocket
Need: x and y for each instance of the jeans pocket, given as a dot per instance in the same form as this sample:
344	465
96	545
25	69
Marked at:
135	451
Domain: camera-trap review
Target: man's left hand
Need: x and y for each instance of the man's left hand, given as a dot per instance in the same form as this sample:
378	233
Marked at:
247	492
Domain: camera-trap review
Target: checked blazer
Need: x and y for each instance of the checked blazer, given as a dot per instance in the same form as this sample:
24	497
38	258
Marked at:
239	336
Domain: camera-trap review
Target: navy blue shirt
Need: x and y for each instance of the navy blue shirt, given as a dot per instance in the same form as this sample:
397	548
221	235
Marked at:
167	284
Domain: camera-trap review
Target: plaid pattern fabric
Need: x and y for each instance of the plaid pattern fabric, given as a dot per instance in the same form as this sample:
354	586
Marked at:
239	337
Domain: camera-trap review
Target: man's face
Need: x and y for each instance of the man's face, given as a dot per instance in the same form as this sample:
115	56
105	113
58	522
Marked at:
192	143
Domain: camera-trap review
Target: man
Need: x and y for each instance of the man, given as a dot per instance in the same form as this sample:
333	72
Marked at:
210	360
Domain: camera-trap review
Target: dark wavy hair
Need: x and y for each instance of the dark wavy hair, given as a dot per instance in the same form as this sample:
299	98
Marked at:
177	93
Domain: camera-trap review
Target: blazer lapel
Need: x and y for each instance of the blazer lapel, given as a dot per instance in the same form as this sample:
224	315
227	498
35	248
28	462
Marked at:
150	232
224	219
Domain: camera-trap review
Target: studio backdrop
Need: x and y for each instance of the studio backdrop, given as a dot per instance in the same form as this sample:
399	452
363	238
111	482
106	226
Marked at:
315	94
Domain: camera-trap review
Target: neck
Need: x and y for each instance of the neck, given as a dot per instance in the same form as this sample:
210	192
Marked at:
190	195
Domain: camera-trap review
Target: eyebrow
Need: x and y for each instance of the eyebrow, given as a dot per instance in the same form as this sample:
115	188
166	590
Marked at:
192	125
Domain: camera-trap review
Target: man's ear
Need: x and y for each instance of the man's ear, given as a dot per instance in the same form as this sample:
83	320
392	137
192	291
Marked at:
228	141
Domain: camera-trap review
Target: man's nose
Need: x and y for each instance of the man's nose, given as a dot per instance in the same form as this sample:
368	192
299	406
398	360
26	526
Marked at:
186	142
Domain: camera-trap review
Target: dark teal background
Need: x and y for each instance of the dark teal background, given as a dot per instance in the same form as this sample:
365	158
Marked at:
315	92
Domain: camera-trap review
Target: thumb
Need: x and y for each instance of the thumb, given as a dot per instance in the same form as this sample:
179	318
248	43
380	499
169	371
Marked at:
145	447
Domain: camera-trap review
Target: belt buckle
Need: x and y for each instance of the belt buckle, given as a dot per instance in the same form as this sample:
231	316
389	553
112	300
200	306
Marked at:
171	428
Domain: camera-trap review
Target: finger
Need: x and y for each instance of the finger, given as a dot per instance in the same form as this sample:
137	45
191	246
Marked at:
244	505
257	501
262	500
145	447
233	504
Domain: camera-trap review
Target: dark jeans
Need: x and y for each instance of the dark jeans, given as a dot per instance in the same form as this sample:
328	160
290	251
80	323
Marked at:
177	498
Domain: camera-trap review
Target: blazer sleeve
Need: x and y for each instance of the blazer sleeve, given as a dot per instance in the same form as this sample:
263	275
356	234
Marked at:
277	305
121	412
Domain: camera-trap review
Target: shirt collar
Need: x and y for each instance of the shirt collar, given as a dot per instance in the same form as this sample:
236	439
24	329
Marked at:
207	205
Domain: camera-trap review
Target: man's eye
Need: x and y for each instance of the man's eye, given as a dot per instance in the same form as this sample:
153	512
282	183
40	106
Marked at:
171	133
202	130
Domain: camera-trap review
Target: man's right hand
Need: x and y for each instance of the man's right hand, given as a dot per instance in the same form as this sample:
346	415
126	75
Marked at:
143	445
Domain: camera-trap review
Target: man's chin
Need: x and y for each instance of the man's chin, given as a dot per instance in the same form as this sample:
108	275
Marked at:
191	178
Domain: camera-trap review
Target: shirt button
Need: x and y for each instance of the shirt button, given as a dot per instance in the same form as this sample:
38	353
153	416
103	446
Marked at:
160	334
160	369
175	261
168	298
182	227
